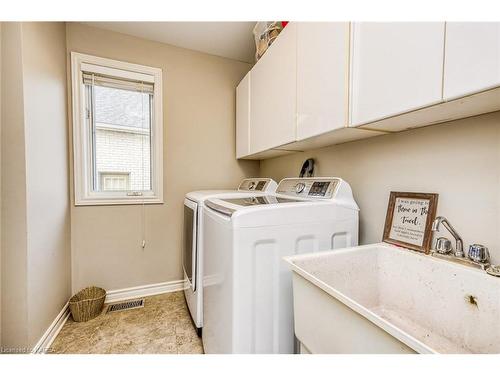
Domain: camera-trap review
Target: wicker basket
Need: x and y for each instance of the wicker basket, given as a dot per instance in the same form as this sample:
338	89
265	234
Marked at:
87	303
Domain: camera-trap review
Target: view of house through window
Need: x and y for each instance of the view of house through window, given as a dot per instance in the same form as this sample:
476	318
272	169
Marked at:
120	126
114	181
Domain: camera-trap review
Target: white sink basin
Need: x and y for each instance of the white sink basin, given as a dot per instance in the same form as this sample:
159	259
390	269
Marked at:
383	299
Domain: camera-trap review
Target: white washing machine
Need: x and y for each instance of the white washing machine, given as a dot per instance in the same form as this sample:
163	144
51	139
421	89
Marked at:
192	239
247	287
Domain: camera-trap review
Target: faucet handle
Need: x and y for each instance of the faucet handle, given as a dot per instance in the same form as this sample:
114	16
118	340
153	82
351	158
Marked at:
443	245
479	253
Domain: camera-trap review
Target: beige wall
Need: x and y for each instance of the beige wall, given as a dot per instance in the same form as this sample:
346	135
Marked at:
199	153
459	160
14	223
0	183
35	186
49	252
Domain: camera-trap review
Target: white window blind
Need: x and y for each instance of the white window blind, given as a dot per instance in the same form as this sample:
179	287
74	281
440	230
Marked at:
90	78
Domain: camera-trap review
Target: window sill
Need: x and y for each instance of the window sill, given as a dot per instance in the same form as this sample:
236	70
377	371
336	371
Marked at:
118	201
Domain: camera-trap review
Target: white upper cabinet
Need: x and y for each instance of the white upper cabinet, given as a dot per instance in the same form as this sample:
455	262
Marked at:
243	117
322	77
326	83
273	94
472	58
396	68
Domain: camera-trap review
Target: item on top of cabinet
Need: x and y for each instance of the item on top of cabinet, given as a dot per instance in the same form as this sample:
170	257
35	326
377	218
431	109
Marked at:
87	303
409	219
265	33
273	33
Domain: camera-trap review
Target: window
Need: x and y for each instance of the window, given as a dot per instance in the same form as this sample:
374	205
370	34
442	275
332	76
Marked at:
117	128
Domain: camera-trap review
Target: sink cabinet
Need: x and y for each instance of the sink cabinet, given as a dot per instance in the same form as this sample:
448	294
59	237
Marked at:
320	317
382	298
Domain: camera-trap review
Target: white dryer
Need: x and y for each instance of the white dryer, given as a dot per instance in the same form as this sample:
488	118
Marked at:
247	287
192	238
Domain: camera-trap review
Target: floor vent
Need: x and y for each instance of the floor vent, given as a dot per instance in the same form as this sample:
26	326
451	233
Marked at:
127	305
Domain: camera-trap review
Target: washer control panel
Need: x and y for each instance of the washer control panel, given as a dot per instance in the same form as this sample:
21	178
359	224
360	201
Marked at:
322	188
257	184
299	188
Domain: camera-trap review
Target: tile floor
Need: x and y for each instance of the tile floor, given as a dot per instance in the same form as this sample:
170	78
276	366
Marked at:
162	326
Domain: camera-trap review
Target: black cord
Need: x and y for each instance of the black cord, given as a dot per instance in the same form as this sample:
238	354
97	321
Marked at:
307	169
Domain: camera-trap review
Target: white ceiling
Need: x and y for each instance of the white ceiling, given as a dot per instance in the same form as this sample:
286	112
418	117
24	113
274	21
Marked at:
233	40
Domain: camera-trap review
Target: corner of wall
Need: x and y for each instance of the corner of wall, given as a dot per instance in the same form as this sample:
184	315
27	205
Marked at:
34	220
1	23
47	191
13	194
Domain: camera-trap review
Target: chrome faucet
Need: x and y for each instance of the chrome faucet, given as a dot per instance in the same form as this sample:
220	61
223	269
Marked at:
459	247
477	257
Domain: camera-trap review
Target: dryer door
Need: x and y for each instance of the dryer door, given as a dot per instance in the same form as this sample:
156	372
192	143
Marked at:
190	250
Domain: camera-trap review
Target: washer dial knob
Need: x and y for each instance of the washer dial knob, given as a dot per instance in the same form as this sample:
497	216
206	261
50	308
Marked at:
251	186
299	188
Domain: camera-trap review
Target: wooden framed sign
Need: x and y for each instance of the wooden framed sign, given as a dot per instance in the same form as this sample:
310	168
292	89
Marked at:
409	220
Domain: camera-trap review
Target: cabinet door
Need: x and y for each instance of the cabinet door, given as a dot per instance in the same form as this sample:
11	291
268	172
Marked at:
273	94
322	77
472	58
396	68
243	117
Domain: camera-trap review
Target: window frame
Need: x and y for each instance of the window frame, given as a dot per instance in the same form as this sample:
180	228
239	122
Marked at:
82	149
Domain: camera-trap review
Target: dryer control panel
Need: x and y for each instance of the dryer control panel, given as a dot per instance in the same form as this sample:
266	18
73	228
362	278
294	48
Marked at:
322	188
258	184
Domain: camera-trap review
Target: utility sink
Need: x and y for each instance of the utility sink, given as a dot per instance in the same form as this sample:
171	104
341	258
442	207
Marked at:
384	299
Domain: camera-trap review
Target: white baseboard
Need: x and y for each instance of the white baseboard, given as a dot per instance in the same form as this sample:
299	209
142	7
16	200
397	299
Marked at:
111	296
144	291
51	333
